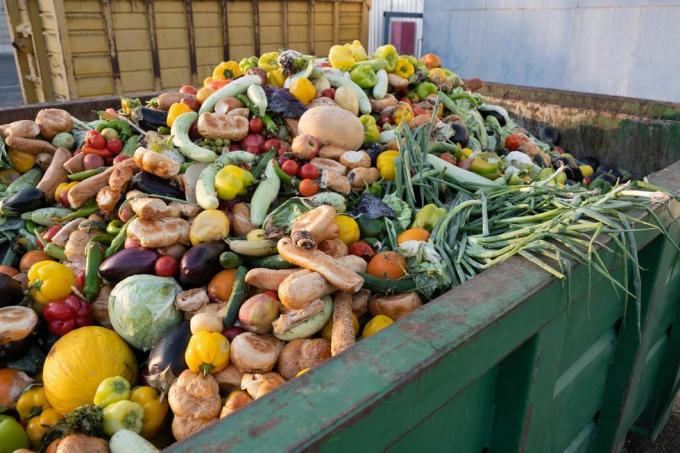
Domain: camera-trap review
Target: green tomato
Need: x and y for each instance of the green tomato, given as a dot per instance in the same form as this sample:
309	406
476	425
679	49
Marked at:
109	133
12	435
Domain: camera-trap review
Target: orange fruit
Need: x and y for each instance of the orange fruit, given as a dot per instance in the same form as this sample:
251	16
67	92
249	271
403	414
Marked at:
413	234
221	285
387	265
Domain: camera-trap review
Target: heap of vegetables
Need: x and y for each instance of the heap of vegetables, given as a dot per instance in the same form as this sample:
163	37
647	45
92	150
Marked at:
182	257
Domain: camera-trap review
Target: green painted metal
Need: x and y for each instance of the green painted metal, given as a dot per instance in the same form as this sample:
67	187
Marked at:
512	360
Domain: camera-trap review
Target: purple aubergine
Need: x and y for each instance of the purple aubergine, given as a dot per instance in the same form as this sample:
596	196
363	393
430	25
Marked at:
127	262
200	263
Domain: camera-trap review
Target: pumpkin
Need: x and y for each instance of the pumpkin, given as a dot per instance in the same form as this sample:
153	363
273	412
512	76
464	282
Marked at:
79	361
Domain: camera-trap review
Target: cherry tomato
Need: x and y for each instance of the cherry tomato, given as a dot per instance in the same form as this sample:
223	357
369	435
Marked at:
256	125
362	249
95	139
192	102
328	93
114	145
217	84
308	171
188	89
272	143
80	280
290	167
51	231
166	266
308	187
514	141
253	149
120	158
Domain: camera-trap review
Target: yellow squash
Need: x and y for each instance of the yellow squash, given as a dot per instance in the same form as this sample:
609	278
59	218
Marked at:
79	361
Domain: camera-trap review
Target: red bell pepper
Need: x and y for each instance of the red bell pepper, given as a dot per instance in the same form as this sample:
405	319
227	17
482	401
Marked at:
103	153
66	315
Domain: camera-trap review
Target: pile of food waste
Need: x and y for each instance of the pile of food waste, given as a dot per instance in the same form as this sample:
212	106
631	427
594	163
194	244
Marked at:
170	262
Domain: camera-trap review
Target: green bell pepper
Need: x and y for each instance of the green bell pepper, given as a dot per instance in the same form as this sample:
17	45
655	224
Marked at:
364	76
487	165
424	89
428	216
370	228
371	131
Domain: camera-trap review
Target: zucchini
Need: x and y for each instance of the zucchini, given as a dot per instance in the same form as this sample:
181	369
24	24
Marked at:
126	441
238	295
380	88
387	286
257	95
232	89
265	194
270	262
339	81
230	260
180	138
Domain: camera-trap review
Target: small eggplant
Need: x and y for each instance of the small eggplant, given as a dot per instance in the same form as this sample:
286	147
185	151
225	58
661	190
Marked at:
127	262
152	184
150	119
573	173
460	134
25	200
166	359
16	326
200	263
11	292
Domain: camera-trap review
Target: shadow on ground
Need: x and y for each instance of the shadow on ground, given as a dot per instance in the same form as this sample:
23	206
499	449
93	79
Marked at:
667	442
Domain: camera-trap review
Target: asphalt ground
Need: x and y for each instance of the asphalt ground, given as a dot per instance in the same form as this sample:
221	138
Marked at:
667	442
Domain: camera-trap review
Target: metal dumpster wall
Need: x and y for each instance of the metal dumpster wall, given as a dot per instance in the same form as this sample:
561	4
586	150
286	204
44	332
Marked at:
68	49
512	360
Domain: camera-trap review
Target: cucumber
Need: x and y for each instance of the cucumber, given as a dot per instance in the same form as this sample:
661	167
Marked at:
270	262
230	260
180	138
387	286
380	88
265	194
238	295
125	441
232	89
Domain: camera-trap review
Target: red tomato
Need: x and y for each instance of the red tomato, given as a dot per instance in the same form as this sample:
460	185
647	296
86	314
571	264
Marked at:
514	141
95	139
114	145
284	148
328	93
166	266
80	280
272	143
253	149
192	102
308	171
255	140
120	158
308	187
63	199
217	84
362	249
256	125
188	89
290	167
51	231
101	152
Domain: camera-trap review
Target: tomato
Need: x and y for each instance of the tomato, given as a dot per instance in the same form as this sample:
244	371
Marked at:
220	286
362	250
192	102
114	145
101	152
284	148
80	280
272	143
431	60
328	93
389	265
217	84
95	139
188	89
308	171
413	234
255	125
308	187
256	141
63	198
120	158
290	167
51	231
166	266
514	141
253	149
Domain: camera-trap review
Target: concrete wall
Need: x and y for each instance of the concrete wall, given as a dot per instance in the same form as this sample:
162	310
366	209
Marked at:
618	47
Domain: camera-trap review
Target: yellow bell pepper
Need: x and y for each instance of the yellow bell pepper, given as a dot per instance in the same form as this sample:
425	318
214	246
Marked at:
386	165
111	390
155	411
303	90
22	162
247	63
231	180
207	81
402	112
389	53
176	110
227	70
376	324
37	427
62	187
32	402
276	78
341	58
209	225
49	281
268	61
358	51
348	229
437	75
207	352
403	68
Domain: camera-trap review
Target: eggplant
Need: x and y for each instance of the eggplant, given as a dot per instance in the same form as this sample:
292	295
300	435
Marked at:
374	151
11	292
25	200
152	184
150	119
573	173
460	134
549	134
200	263
17	323
496	111
127	262
166	359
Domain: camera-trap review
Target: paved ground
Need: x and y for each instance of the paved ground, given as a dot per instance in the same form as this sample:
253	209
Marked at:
668	441
10	90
